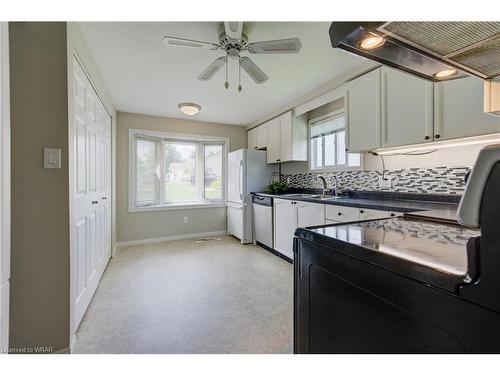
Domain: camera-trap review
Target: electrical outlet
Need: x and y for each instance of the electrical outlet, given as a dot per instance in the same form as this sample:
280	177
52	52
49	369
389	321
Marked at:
186	219
384	183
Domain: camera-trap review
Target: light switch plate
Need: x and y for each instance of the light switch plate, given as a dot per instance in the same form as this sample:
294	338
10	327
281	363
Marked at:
384	183
52	158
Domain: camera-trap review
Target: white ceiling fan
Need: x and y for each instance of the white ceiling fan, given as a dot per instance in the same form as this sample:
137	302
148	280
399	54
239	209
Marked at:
234	42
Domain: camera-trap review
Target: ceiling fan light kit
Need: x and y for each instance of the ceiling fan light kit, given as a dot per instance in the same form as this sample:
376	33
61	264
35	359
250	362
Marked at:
234	42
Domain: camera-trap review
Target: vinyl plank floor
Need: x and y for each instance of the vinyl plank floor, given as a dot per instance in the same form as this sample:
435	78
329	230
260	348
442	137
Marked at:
188	296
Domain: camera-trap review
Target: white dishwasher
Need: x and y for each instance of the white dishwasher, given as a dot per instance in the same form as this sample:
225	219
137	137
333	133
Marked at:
263	220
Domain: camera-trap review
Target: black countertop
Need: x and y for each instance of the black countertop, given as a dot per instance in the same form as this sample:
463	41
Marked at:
445	206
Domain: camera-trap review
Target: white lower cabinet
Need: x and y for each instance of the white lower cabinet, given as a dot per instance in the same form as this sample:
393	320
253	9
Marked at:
284	226
290	215
310	214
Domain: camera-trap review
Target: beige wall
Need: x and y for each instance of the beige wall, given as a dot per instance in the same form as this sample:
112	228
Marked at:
40	277
132	226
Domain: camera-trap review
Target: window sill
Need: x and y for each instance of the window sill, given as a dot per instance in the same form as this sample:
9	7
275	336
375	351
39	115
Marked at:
179	206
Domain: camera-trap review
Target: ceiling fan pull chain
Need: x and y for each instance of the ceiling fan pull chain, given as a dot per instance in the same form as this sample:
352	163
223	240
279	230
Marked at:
226	85
239	74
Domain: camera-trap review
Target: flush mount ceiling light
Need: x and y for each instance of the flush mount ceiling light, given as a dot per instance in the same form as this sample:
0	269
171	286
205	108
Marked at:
372	42
445	73
189	109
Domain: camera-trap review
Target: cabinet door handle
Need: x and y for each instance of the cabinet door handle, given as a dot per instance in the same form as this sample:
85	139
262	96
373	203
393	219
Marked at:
427	137
437	136
393	214
104	198
340	213
95	202
361	211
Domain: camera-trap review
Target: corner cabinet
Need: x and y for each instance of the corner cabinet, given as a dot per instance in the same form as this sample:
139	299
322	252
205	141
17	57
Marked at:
290	215
363	112
407	109
458	110
287	138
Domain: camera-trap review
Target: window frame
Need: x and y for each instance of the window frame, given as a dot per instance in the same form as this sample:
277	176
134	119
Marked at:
336	168
187	138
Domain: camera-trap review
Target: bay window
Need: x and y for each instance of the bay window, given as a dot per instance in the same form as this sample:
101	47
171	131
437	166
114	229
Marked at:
173	170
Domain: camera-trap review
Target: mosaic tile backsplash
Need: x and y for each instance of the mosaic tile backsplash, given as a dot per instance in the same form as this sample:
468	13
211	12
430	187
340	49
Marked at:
438	180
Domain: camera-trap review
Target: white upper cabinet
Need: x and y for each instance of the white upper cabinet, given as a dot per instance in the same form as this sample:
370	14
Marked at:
262	136
257	137
252	139
458	110
363	112
407	108
273	140
287	138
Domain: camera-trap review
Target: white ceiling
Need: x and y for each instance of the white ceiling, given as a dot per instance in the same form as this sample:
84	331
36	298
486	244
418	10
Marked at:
144	76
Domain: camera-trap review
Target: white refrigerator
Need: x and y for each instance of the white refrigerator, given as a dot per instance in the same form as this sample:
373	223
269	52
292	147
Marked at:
248	172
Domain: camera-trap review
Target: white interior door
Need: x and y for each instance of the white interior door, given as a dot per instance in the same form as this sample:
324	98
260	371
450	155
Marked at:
92	191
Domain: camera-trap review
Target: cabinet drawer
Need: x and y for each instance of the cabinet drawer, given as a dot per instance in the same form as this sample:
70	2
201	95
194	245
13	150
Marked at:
327	222
341	213
370	214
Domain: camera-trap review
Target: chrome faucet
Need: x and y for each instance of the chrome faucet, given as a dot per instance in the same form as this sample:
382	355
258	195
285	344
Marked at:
336	191
325	188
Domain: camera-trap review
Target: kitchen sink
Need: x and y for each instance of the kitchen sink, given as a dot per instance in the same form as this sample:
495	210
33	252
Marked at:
314	196
301	195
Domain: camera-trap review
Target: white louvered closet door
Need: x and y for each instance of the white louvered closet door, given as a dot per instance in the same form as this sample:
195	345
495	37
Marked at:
92	191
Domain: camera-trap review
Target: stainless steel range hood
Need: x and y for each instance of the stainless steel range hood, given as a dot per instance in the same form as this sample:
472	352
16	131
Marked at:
436	51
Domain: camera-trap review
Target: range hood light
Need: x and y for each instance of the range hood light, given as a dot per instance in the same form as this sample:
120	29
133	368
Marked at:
372	42
445	73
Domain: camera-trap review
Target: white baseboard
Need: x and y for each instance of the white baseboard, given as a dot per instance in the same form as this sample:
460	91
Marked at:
170	238
113	252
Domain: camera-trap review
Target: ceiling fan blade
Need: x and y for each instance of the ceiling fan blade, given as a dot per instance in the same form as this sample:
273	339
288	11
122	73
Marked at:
233	30
291	45
171	41
253	70
213	68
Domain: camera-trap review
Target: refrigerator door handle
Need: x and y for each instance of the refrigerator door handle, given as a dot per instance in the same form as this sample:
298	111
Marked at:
240	180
